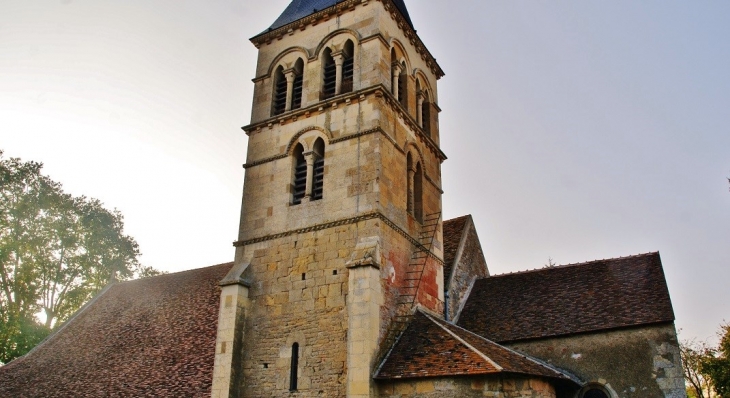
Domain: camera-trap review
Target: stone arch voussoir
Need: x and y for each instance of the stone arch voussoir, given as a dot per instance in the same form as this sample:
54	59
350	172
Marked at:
325	134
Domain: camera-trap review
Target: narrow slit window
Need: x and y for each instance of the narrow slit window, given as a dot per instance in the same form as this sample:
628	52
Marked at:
279	103
298	84
418	193
426	123
403	86
297	94
318	170
348	67
300	175
329	75
294	371
393	76
409	183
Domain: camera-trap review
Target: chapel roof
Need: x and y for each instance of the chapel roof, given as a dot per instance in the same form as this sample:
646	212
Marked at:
570	299
453	232
299	9
431	347
148	337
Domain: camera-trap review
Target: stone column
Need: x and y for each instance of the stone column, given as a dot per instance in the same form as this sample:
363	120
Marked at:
289	75
231	317
309	158
396	77
419	108
364	298
339	60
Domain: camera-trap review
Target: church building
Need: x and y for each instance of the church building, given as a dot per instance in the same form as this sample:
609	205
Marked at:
346	280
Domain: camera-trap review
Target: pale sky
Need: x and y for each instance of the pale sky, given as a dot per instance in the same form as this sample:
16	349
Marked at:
575	130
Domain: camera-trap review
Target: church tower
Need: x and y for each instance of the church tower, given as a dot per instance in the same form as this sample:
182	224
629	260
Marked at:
340	233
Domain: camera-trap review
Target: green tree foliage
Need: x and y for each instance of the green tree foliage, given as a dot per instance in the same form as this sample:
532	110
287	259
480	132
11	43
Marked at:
694	354
56	252
717	365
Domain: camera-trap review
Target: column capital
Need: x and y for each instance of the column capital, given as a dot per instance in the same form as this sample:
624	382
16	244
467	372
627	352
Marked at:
338	57
289	74
309	156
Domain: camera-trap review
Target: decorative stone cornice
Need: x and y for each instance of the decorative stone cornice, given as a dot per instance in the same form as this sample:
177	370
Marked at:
283	118
338	223
265	160
379	91
342	7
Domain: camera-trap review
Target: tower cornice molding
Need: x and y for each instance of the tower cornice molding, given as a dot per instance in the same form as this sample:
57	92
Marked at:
350	98
345	6
344	221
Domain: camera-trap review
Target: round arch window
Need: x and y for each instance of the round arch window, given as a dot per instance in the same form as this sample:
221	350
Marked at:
595	392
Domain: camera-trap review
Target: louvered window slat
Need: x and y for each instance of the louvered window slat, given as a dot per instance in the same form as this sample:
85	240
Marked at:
318	179
280	96
347	75
300	181
297	94
330	80
402	90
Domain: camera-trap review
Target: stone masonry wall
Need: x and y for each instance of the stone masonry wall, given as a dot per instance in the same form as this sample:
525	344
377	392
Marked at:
350	171
298	295
467	387
641	362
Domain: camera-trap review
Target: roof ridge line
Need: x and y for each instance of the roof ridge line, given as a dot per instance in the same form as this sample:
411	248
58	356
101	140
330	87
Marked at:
469	346
545	365
68	321
173	273
569	265
390	350
456	218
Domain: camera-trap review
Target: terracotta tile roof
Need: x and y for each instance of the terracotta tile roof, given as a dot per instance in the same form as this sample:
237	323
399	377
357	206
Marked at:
577	298
453	231
431	347
149	337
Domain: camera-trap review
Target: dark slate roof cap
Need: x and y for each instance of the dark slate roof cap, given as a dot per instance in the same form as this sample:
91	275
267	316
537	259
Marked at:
570	299
299	9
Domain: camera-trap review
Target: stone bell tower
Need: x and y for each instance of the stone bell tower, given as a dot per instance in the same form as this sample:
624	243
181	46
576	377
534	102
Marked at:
340	229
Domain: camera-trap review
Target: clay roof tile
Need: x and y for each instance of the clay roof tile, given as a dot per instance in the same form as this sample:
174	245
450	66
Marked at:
148	337
570	299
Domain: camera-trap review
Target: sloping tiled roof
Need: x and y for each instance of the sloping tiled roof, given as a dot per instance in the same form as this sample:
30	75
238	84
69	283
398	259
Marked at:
453	231
299	9
148	337
578	298
430	347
